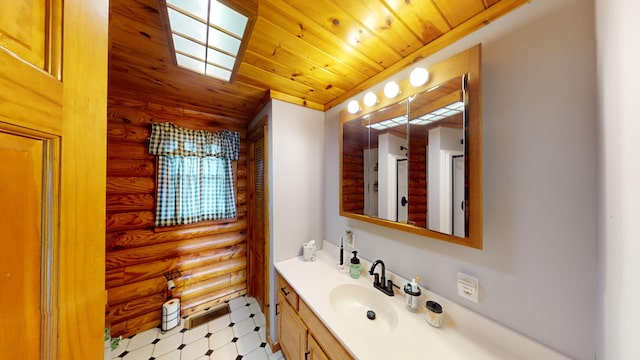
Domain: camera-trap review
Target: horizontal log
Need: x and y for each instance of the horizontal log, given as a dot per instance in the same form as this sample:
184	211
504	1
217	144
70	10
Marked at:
136	273
118	328
192	305
141	113
158	284
196	274
136	307
136	168
147	321
140	289
128	132
128	150
130	185
128	202
135	238
128	257
201	288
130	220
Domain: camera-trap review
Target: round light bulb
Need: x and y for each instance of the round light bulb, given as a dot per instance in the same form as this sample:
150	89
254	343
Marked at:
370	99
353	107
391	89
419	76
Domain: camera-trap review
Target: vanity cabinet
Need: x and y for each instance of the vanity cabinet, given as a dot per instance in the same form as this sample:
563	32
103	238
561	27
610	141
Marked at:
302	336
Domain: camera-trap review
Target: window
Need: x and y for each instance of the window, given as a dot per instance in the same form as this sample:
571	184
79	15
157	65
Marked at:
208	36
195	174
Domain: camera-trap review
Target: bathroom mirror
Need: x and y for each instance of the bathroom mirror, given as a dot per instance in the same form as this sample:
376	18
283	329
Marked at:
415	163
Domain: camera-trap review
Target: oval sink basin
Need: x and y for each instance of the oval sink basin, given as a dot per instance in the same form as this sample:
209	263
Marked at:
352	303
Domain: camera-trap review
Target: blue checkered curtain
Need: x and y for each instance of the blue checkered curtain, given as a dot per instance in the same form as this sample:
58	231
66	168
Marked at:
195	174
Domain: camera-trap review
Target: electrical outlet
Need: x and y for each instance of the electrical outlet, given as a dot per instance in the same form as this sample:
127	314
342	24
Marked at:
468	287
351	239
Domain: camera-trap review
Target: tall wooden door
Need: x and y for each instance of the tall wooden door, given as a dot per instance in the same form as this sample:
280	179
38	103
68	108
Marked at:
52	178
258	226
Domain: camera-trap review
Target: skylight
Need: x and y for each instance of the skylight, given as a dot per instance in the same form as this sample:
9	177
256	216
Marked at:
207	36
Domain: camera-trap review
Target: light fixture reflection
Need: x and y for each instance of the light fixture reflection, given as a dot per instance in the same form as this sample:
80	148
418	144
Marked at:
353	107
419	76
391	89
370	99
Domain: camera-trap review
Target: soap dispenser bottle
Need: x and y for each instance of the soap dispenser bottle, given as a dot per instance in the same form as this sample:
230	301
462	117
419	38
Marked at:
354	268
412	295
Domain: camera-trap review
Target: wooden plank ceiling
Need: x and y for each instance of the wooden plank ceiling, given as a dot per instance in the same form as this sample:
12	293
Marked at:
315	53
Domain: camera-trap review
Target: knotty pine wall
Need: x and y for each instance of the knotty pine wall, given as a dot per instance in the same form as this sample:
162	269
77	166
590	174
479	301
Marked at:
212	258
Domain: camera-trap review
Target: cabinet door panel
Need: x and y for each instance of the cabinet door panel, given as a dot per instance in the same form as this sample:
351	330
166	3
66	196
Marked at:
292	333
315	351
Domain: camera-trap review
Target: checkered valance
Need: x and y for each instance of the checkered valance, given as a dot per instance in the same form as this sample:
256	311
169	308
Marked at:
169	139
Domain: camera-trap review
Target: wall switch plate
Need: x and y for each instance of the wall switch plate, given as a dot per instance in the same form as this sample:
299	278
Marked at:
468	287
350	239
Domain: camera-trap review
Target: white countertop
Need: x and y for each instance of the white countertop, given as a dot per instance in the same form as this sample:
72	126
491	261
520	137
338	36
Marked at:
465	334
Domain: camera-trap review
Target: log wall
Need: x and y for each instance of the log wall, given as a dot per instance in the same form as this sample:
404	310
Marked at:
211	258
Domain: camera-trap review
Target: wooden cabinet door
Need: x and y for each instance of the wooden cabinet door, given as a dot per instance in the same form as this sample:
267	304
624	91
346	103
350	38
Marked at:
292	333
315	351
52	178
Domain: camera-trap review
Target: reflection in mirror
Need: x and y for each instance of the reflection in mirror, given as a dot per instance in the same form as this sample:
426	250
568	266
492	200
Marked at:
375	164
437	159
416	164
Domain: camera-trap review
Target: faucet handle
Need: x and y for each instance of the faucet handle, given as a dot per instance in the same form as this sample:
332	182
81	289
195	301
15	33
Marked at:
376	278
390	285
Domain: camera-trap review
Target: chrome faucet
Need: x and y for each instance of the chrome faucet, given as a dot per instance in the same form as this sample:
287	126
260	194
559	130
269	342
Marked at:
380	281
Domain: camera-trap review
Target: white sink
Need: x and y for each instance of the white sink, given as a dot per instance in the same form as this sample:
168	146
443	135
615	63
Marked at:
351	303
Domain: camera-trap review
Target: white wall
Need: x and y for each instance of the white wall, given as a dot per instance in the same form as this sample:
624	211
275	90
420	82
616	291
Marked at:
619	179
296	155
538	268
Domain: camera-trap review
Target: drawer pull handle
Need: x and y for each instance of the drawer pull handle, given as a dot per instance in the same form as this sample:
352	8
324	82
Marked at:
284	291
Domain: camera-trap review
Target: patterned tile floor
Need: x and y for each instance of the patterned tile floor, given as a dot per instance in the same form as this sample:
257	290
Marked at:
239	335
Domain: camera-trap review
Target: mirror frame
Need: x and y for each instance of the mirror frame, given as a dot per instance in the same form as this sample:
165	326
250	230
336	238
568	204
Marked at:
469	62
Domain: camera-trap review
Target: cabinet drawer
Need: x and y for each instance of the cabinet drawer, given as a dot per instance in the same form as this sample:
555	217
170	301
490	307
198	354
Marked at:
329	344
287	292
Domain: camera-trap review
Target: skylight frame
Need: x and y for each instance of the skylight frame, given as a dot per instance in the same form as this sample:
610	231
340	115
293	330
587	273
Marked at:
216	62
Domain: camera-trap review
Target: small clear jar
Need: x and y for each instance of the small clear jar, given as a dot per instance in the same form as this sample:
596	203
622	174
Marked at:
434	315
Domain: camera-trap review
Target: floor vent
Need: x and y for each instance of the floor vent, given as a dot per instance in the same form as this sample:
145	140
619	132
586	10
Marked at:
206	316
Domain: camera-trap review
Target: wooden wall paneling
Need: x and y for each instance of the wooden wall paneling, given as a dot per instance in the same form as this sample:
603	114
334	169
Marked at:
129	150
418	176
214	298
130	274
136	238
130	185
211	257
175	249
126	202
129	220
